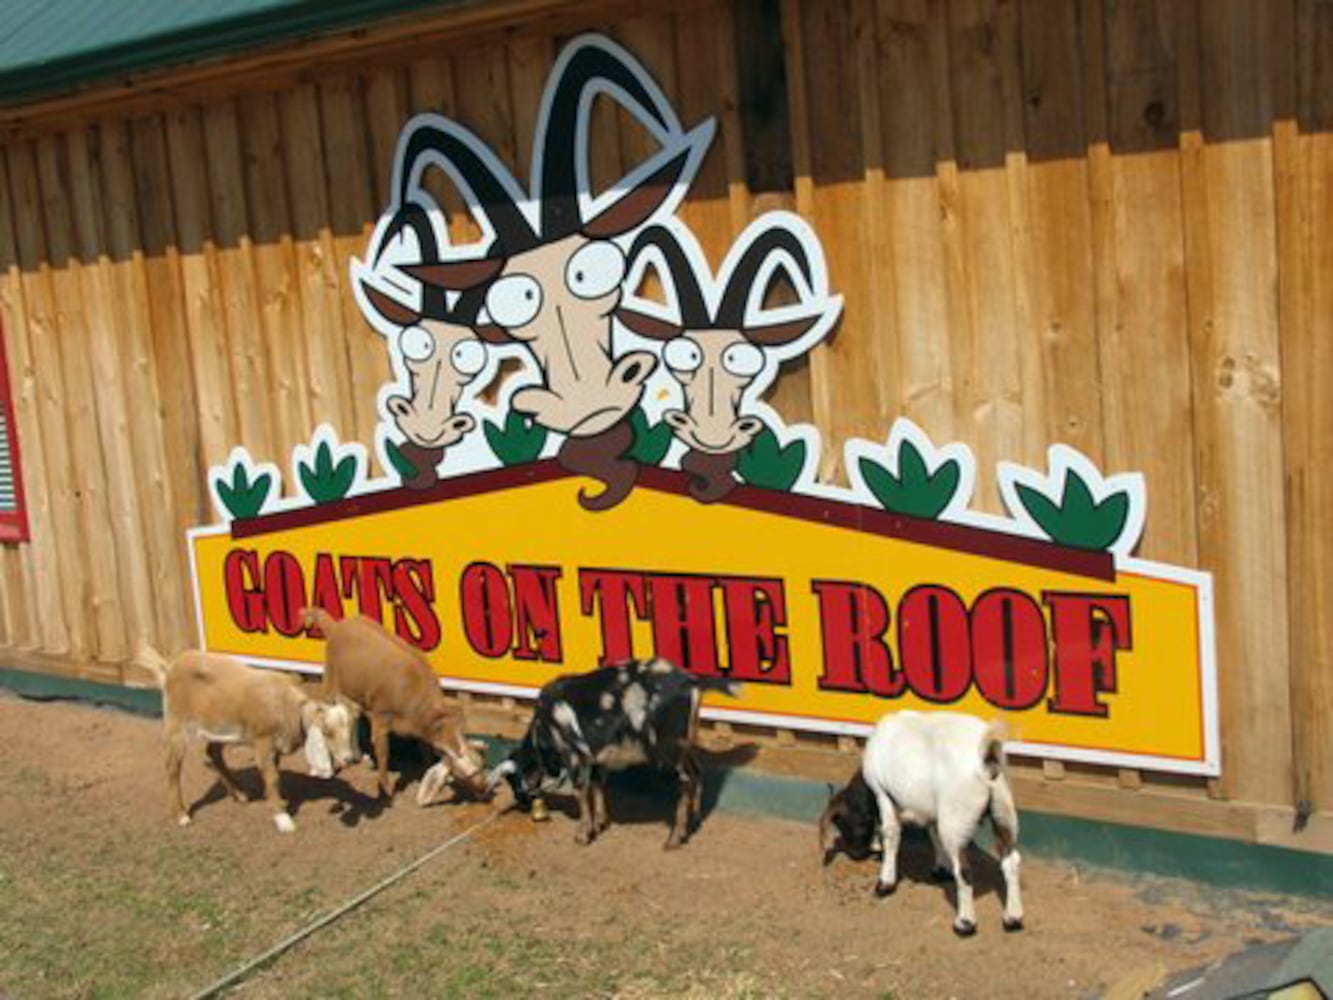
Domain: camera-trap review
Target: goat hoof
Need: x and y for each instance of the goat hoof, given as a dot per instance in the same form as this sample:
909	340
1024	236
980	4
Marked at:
183	819
1012	924
673	844
941	874
284	823
583	837
964	928
883	889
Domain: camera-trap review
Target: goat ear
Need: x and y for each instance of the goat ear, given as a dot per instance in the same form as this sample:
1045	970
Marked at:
637	205
457	276
648	326
392	310
491	334
317	750
435	778
778	334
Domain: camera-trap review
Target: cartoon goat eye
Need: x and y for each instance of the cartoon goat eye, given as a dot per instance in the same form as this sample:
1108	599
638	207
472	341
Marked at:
514	301
416	344
468	357
595	270
683	355
743	360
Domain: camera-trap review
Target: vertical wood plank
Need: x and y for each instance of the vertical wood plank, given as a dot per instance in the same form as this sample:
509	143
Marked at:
1304	161
107	332
277	274
204	310
164	293
1060	282
909	111
351	214
987	351
1145	352
45	625
161	486
329	374
830	172
96	577
708	210
1231	240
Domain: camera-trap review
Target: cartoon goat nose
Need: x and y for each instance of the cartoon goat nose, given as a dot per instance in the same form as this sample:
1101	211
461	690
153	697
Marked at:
461	424
676	420
399	406
749	426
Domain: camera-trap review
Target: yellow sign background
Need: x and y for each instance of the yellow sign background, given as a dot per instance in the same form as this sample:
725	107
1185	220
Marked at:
1160	716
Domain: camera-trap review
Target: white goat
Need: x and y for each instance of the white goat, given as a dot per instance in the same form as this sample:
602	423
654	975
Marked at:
941	770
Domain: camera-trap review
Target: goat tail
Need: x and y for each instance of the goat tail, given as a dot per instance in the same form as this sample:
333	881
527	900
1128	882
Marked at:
151	660
727	687
992	748
317	617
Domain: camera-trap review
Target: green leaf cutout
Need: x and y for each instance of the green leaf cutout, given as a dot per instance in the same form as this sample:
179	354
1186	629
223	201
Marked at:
324	481
651	442
915	491
1078	521
520	440
242	498
770	465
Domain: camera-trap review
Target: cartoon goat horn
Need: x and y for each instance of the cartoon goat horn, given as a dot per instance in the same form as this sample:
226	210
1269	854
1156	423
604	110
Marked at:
558	143
492	197
689	296
731	311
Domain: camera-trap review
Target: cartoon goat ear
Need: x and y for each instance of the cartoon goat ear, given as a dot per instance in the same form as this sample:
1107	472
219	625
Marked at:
778	334
391	309
648	326
638	205
457	276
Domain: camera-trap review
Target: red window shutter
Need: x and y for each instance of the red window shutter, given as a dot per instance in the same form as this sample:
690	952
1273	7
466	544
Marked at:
13	514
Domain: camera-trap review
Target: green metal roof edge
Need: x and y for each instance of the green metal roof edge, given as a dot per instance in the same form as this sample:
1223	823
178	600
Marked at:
198	43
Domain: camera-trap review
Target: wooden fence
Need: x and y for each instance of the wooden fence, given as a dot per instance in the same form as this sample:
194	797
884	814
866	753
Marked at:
1102	222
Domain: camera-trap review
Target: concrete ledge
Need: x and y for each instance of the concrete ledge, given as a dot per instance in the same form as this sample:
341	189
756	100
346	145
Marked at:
1210	860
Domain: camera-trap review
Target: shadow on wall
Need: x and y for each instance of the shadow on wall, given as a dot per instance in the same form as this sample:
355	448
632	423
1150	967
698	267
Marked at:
936	83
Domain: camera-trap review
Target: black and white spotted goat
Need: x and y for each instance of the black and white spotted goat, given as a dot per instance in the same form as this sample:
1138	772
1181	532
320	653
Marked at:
941	770
586	725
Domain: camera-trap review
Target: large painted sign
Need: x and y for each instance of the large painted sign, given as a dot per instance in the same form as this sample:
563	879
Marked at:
626	491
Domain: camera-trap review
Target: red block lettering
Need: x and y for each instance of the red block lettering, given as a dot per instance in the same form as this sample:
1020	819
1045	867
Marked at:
1089	630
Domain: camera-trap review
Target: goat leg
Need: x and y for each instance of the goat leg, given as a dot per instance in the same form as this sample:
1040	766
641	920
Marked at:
601	818
890	832
379	740
175	757
587	828
266	754
680	826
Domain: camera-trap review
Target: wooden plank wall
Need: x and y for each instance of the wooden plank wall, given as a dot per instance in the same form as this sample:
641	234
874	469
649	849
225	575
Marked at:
1102	222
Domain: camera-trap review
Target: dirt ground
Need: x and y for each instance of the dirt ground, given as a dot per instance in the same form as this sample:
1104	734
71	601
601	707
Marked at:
103	895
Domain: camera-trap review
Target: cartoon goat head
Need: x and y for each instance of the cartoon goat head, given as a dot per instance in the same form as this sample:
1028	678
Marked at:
554	270
422	303
721	344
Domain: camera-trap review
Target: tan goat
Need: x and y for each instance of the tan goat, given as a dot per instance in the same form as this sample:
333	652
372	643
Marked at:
399	692
219	700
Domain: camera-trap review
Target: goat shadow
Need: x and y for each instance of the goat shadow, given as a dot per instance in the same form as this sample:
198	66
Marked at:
645	794
916	863
298	789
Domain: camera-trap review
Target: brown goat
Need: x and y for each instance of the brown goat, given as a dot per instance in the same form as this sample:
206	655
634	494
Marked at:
399	692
